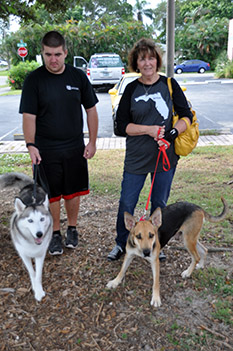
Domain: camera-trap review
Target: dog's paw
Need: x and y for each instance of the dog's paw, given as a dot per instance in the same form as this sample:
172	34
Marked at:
155	301
112	284
200	265
185	274
39	295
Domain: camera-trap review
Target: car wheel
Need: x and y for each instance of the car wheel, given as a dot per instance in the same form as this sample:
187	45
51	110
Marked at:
201	70
179	71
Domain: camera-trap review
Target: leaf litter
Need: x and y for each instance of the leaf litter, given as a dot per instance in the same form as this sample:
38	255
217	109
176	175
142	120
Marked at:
79	313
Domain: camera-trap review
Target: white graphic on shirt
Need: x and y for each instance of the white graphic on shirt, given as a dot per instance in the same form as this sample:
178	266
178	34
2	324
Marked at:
68	87
160	104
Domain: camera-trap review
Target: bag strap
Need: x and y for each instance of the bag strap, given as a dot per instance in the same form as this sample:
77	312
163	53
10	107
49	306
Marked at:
169	84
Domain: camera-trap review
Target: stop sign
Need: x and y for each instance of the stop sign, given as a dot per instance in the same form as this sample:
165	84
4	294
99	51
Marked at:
22	51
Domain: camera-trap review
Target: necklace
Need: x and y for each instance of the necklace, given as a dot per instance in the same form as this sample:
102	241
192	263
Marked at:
147	90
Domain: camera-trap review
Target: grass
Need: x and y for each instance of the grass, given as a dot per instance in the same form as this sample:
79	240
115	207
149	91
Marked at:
202	177
4	73
221	285
11	92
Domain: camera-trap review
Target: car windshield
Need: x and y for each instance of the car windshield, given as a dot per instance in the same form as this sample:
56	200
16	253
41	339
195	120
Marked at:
125	82
105	61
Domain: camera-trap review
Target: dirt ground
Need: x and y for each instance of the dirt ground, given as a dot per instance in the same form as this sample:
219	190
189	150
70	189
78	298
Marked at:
79	313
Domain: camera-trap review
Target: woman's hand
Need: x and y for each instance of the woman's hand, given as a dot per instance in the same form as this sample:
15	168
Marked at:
161	143
155	131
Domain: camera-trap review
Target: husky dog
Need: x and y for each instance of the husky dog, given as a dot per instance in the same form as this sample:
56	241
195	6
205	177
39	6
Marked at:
31	226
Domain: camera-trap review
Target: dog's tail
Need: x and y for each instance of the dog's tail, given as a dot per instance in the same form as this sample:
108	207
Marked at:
14	180
221	216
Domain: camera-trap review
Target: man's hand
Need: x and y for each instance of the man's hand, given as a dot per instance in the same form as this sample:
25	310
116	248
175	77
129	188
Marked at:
34	154
89	151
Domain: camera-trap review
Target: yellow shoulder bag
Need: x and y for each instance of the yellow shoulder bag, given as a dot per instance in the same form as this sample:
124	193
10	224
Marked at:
186	141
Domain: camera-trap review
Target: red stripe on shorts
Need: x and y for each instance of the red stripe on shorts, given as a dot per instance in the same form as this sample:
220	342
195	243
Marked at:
69	197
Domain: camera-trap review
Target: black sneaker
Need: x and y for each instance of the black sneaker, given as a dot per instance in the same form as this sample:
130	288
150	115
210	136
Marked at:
162	256
116	253
55	246
71	240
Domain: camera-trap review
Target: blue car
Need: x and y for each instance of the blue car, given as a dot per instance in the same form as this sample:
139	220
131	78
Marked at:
192	66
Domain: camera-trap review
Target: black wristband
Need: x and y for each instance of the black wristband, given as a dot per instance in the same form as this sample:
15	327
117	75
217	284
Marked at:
171	135
31	144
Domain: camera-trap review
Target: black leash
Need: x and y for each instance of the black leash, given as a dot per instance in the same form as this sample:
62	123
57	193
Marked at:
39	179
35	174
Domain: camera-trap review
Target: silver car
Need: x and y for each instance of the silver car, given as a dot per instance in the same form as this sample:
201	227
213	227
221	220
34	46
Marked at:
105	69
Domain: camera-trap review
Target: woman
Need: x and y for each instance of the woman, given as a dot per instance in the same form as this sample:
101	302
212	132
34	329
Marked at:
145	107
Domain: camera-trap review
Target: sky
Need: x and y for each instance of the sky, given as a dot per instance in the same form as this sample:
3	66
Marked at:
151	3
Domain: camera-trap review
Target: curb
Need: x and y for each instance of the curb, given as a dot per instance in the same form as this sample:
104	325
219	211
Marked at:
115	143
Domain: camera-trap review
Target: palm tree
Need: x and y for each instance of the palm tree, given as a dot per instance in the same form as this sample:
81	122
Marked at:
140	9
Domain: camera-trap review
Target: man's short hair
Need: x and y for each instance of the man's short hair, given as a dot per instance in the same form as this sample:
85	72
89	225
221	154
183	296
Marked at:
53	39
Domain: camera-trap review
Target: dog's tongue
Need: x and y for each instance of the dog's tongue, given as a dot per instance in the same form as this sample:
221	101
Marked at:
38	241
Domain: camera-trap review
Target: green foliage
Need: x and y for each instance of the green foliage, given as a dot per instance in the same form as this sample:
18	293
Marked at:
216	8
224	67
17	74
83	38
204	39
201	28
25	9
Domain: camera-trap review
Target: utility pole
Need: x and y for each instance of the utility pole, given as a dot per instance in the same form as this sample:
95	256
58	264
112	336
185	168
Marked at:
170	41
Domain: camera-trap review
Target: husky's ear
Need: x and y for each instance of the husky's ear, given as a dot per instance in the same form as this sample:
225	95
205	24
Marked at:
156	217
129	221
46	202
19	205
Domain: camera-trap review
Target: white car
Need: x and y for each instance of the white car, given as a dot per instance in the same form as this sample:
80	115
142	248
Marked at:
105	69
3	63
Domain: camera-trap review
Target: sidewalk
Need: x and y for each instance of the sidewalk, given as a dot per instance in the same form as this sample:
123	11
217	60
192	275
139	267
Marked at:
117	143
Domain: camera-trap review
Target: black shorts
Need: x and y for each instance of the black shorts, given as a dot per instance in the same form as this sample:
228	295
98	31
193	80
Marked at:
66	173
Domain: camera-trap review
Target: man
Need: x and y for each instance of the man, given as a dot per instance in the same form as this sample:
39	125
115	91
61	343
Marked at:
51	104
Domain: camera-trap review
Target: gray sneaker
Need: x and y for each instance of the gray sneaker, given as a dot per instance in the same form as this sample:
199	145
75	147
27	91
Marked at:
55	246
116	253
162	256
71	240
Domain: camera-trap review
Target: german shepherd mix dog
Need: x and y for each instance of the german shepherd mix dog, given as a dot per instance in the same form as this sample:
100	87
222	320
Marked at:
31	226
147	237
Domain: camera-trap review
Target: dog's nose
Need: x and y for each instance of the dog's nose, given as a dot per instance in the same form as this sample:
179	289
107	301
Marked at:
146	252
39	234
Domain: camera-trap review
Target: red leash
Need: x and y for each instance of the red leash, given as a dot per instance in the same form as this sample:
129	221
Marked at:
166	167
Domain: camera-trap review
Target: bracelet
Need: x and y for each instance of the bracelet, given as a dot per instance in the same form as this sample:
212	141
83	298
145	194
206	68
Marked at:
171	134
31	144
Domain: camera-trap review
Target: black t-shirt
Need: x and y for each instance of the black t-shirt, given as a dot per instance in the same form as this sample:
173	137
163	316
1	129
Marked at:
56	100
149	105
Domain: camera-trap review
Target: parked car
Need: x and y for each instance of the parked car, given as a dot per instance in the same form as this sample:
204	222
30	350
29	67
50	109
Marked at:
105	69
192	66
117	91
80	62
3	63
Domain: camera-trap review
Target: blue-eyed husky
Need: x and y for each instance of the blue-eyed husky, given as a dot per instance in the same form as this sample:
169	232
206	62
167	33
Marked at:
31	226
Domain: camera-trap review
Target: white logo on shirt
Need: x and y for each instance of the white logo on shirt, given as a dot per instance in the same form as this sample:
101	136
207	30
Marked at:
68	87
160	104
